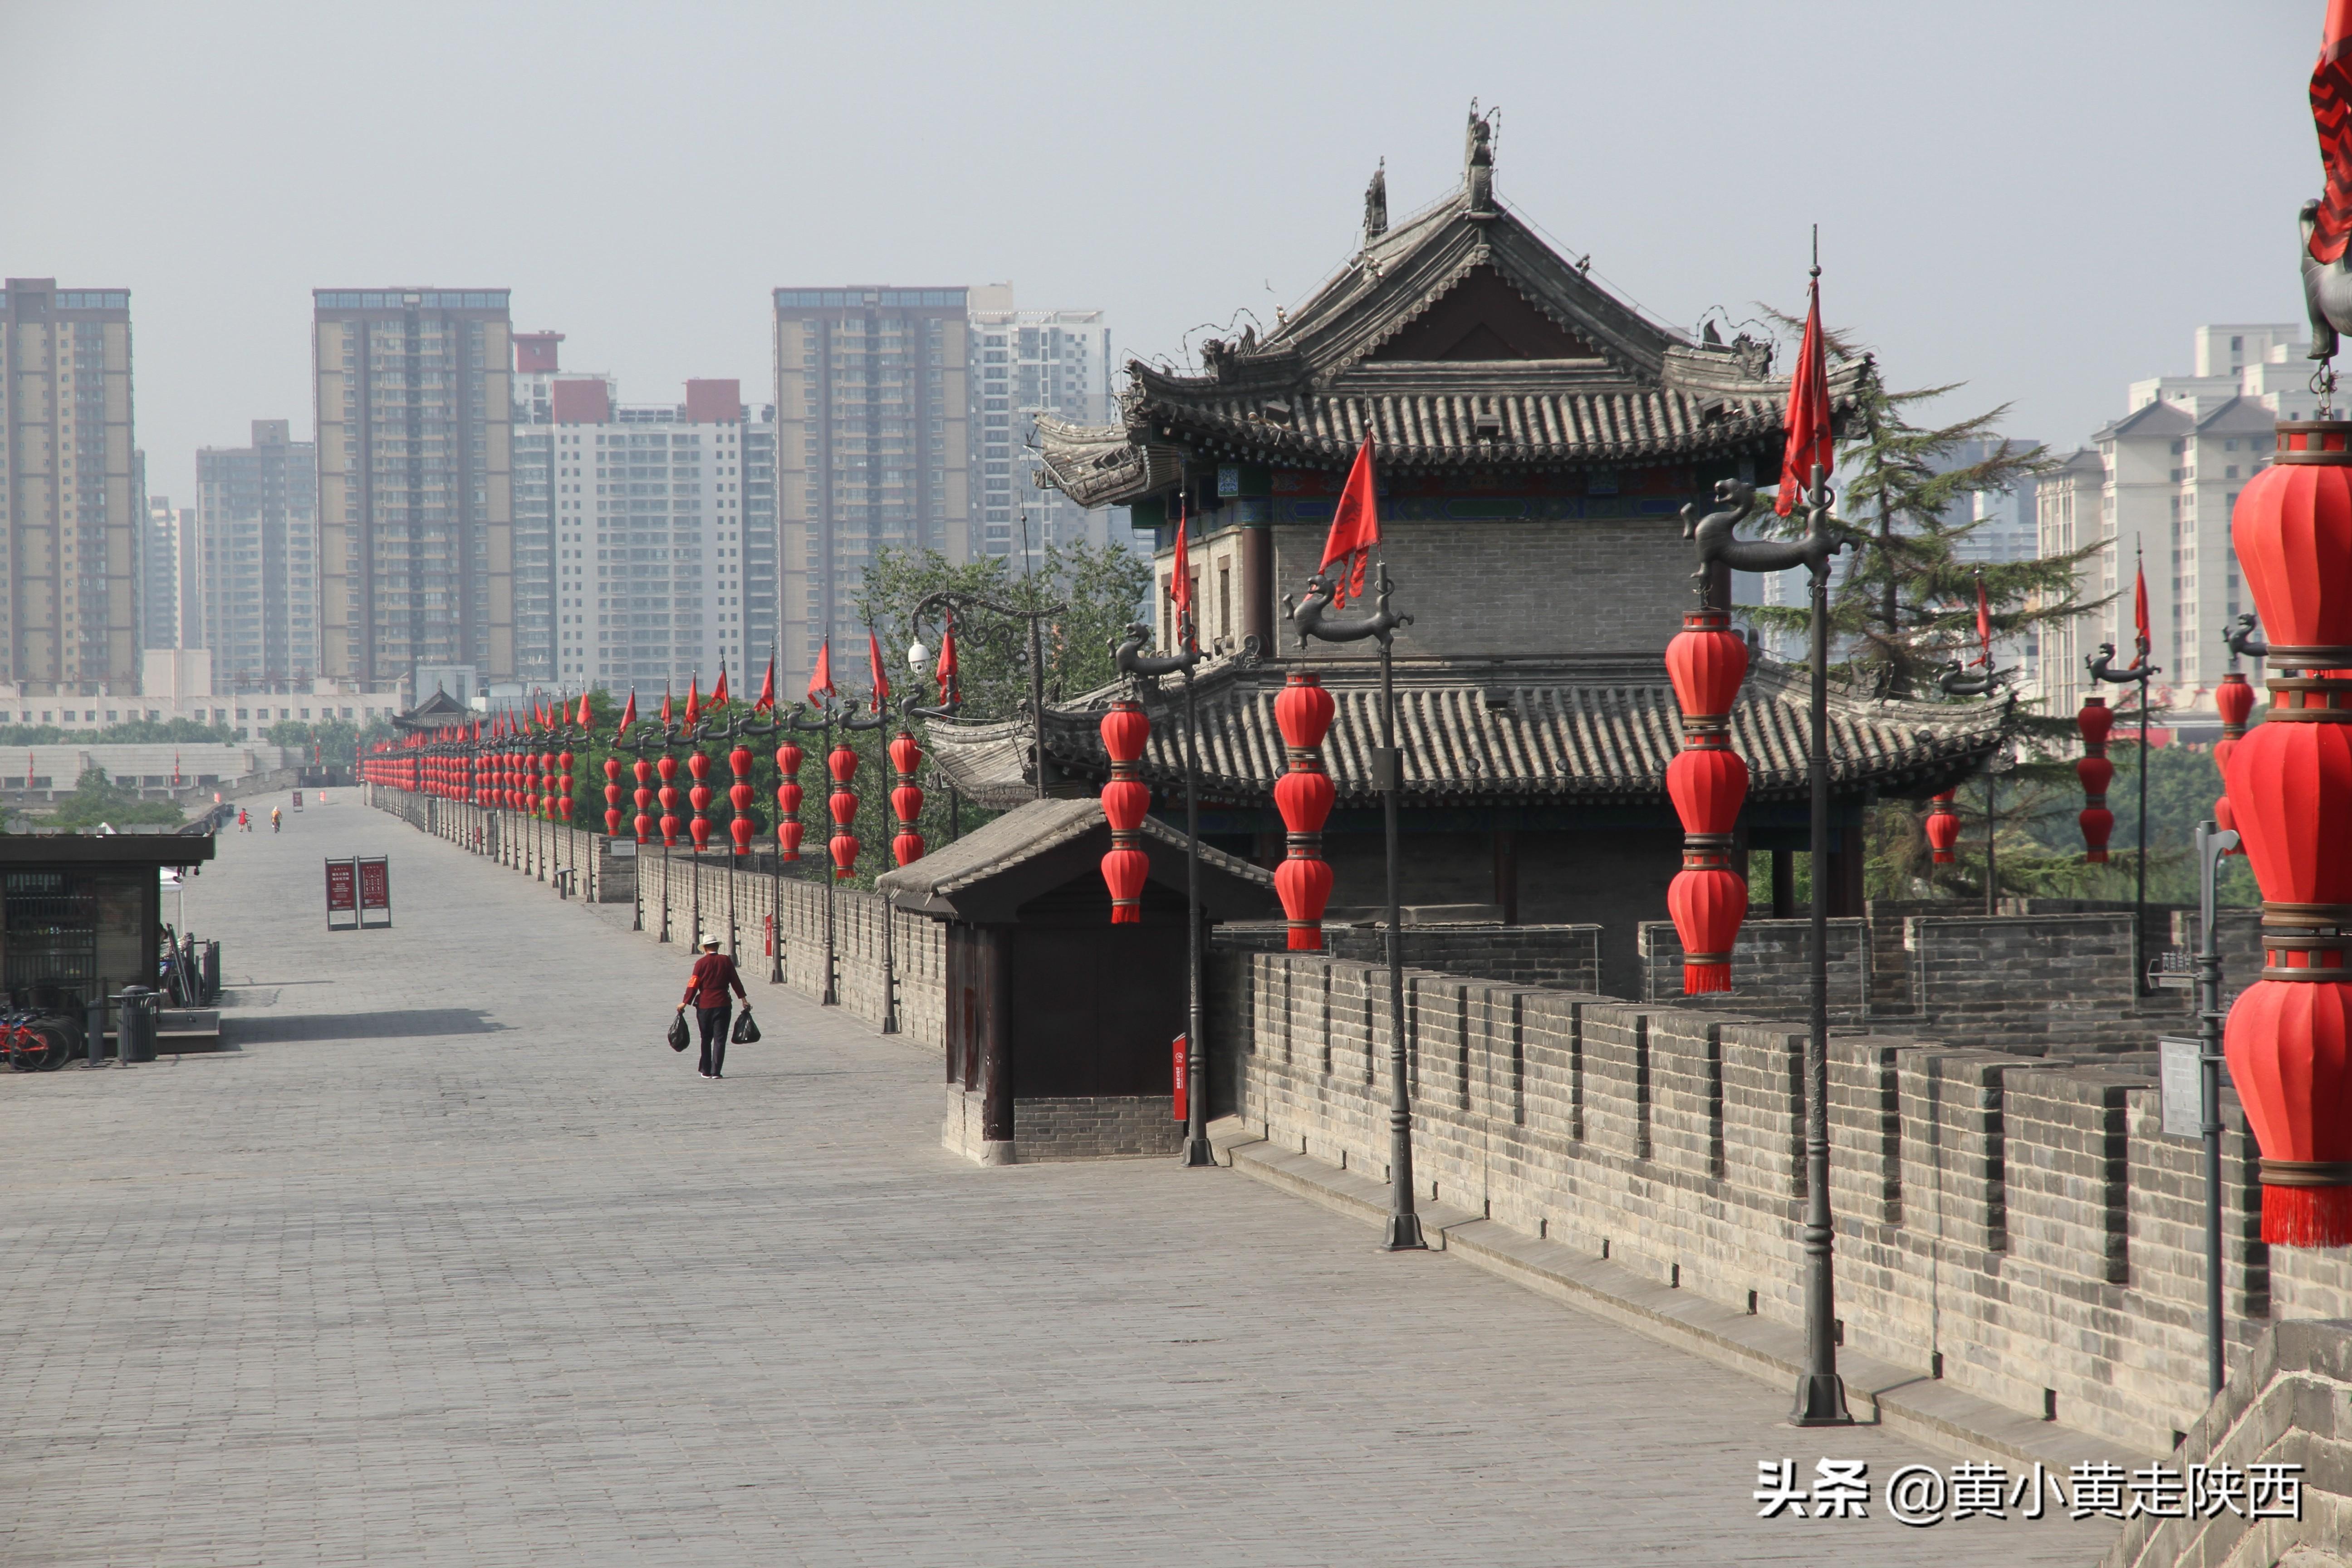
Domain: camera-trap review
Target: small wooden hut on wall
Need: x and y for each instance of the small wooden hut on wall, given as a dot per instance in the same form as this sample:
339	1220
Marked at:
1059	1024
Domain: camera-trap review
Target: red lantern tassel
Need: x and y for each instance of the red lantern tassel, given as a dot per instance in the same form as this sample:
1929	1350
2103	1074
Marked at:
1700	978
2307	1217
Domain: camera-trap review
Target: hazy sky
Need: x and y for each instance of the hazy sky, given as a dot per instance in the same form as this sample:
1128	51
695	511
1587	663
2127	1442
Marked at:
2038	199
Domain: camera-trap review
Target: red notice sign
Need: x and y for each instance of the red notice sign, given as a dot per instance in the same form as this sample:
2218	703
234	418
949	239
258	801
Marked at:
342	887
1181	1078
376	885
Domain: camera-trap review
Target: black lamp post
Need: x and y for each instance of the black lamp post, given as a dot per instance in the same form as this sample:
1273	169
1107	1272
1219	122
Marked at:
958	607
1137	667
1311	619
2100	666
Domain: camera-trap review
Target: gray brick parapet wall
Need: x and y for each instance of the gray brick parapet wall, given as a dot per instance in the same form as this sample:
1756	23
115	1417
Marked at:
1565	956
2025	1220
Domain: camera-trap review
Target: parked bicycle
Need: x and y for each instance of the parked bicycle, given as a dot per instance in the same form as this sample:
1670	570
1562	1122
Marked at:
34	1042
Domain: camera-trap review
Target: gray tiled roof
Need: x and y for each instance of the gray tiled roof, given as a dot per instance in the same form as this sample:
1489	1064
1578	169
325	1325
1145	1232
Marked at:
1513	731
1029	830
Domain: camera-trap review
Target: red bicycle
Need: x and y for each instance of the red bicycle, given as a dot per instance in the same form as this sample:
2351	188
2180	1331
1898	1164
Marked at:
33	1042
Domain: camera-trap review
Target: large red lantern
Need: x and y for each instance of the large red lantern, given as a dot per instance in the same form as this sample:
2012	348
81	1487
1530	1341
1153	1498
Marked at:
905	798
1303	711
612	797
841	763
788	800
644	799
1707	782
564	802
667	768
2289	1039
740	795
2234	700
699	798
1943	828
1125	729
2097	823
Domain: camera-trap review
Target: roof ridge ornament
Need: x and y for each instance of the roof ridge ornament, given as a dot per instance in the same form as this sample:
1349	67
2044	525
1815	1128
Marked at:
1376	204
1478	158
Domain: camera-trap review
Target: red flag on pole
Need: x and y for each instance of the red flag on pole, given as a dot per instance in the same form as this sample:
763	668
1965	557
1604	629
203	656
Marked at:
2139	610
665	704
1355	529
628	715
1180	587
2331	116
1809	410
584	715
767	687
946	672
1984	624
693	700
718	692
874	665
821	678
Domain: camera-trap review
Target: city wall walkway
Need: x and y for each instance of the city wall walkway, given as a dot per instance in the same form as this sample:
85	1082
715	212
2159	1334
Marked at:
452	1261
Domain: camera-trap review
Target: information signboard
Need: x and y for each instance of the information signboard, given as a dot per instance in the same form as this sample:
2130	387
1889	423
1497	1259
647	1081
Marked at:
2180	1086
342	894
375	889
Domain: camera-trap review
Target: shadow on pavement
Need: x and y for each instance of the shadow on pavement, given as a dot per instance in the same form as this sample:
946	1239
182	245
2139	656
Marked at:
416	1023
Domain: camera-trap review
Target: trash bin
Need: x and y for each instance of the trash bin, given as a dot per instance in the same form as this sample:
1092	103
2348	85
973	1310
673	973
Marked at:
212	972
134	1030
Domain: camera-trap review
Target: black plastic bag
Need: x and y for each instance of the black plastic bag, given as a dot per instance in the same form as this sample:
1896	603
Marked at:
680	1037
745	1033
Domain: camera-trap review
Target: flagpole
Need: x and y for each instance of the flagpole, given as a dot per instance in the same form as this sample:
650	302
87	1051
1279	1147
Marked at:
2139	891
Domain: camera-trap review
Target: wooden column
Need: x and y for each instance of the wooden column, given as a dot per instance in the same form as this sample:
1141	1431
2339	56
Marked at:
996	1045
1257	586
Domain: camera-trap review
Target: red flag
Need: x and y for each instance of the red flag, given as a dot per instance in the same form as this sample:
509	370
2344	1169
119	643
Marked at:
665	704
1182	587
1984	624
584	715
1809	411
767	687
946	673
874	668
628	715
2139	613
718	692
1355	529
693	700
821	680
2331	116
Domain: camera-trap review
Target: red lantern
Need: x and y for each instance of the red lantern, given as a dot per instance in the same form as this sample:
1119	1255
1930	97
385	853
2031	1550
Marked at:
2234	699
644	799
2293	532
2289	1040
612	797
905	798
1125	729
740	795
2095	820
841	763
699	797
1303	795
1707	782
668	768
1943	828
563	801
788	800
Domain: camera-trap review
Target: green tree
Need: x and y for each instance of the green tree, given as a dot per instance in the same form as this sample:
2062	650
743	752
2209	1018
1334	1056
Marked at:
98	799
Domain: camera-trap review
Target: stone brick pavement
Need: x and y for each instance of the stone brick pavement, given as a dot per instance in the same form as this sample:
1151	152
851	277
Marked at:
453	1262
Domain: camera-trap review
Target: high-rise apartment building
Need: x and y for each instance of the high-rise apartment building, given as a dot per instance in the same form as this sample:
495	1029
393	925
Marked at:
664	538
257	553
1024	363
535	370
2156	490
416	500
872	404
71	498
159	572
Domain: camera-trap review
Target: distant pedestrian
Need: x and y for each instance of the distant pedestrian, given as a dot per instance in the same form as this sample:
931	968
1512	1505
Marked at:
276	819
706	991
244	820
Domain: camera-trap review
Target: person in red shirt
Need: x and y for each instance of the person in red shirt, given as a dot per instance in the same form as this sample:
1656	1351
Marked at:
706	992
